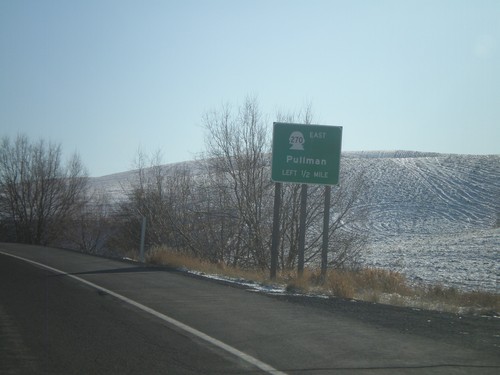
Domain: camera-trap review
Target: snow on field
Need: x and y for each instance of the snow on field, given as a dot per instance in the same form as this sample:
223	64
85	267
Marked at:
434	217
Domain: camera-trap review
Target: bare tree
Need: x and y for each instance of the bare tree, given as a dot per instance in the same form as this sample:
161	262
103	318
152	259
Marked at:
237	156
91	226
290	198
143	200
223	211
38	195
163	195
345	243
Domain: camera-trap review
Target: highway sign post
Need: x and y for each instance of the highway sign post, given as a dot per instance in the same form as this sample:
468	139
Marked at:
306	154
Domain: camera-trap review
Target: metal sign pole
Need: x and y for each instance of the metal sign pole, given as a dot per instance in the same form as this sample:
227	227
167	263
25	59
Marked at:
302	229
276	230
326	229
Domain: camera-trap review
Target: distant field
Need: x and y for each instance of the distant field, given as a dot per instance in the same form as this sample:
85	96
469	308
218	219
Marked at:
434	217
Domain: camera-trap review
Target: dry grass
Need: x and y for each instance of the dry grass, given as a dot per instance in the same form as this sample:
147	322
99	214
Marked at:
369	284
166	256
366	283
454	300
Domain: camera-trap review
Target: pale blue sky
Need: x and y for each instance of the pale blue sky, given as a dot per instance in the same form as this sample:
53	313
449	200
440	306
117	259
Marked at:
104	78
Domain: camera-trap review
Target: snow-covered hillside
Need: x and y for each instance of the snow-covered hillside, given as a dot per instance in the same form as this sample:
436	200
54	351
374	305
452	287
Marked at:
117	184
430	194
435	217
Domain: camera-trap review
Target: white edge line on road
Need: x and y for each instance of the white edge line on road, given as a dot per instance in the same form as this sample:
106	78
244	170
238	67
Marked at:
237	353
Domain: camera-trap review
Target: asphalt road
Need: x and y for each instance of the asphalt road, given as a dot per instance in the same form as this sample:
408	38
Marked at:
90	315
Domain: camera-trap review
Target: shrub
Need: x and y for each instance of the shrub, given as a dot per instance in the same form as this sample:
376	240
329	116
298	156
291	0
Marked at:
382	281
341	284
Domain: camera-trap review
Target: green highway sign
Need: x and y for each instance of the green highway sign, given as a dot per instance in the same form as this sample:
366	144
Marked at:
306	154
